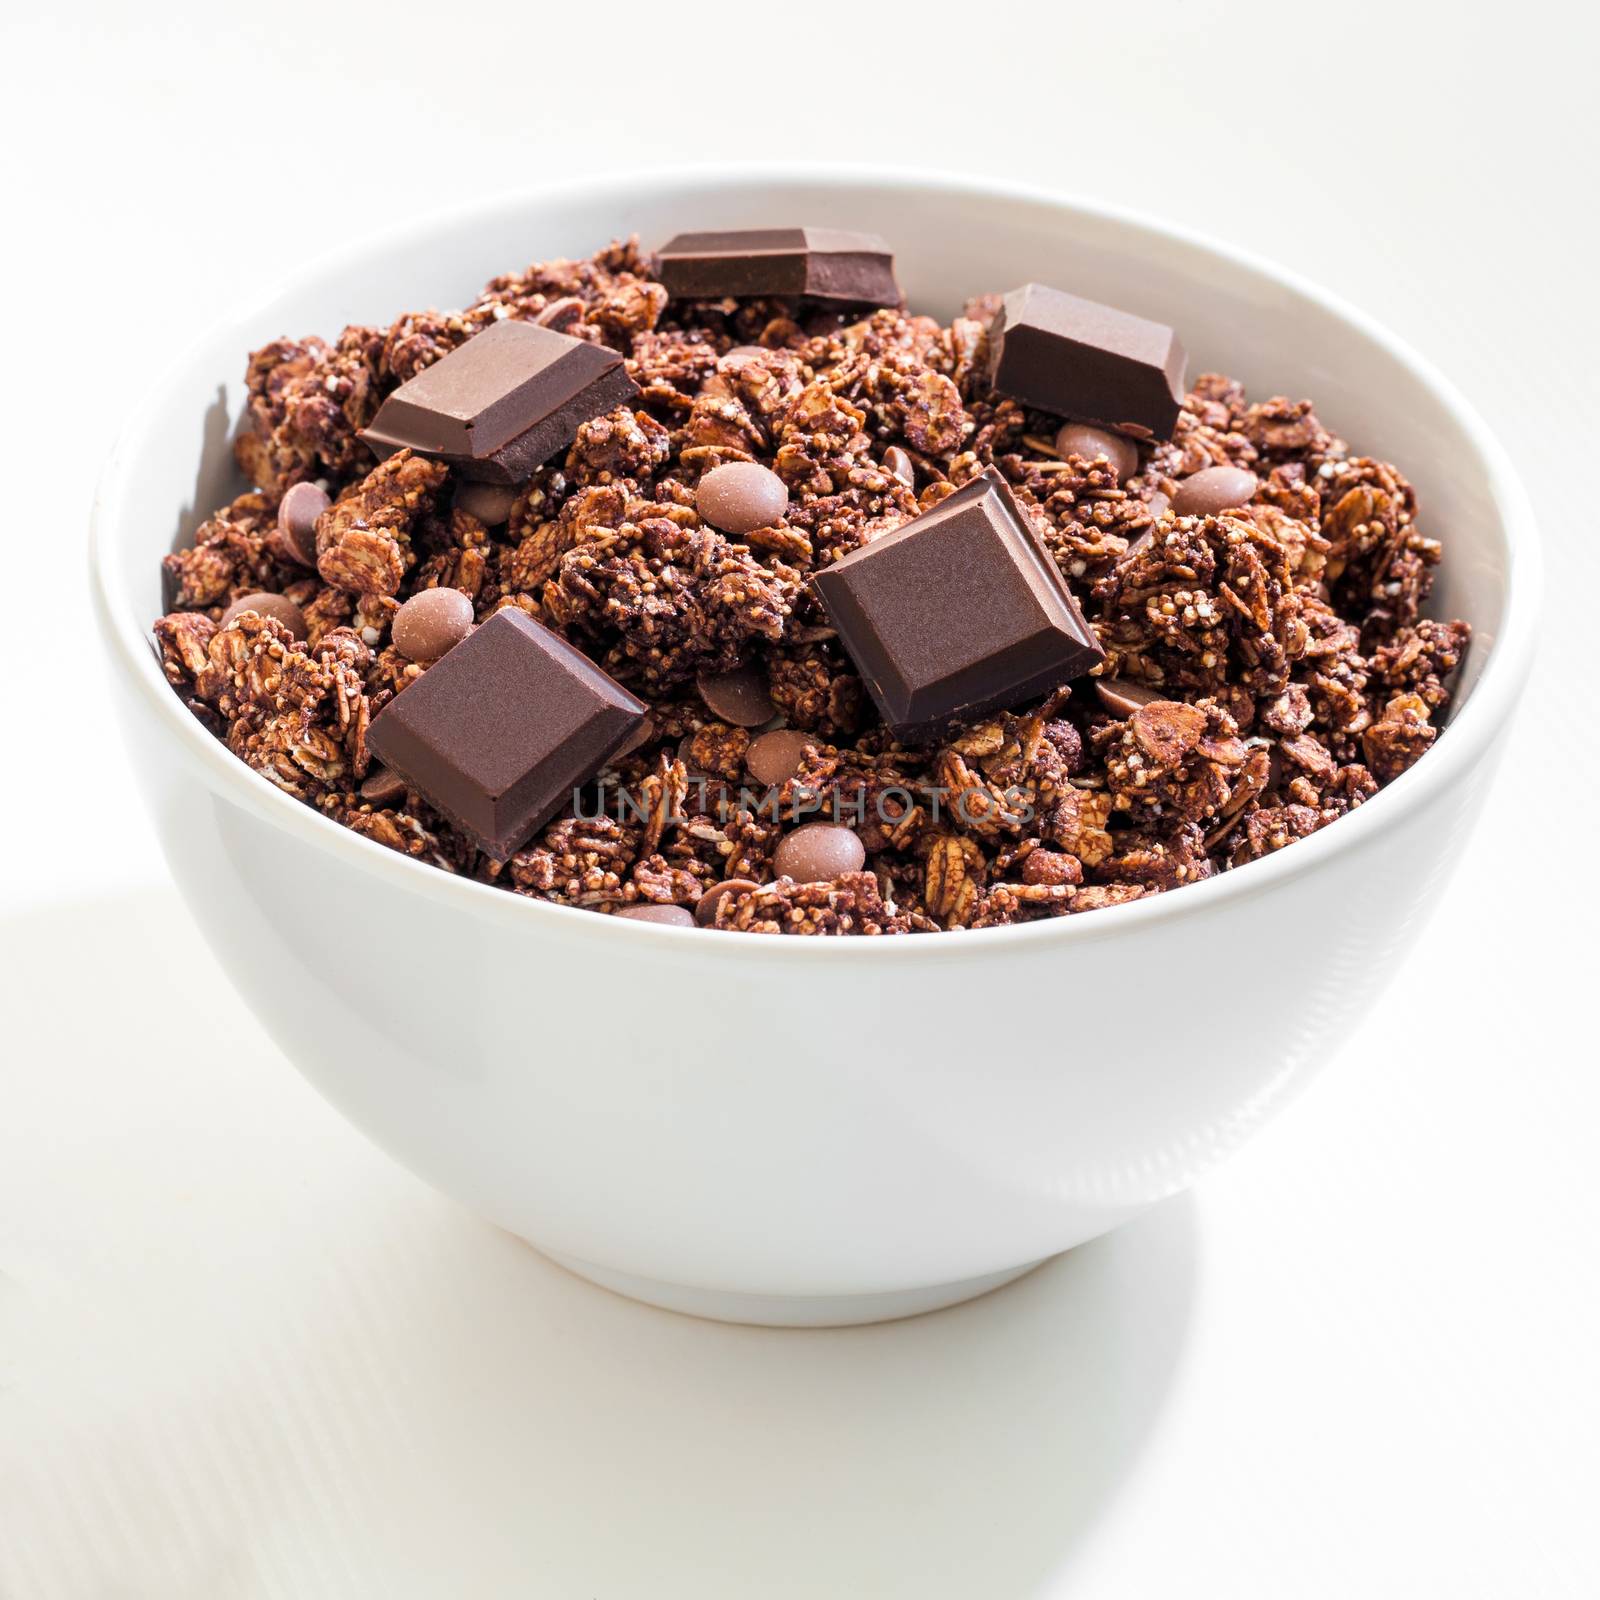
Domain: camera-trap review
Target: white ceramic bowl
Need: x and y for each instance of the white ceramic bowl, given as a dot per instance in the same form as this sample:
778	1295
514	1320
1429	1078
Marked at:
805	1131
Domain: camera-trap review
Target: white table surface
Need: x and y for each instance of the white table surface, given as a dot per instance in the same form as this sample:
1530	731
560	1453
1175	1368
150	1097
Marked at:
242	1354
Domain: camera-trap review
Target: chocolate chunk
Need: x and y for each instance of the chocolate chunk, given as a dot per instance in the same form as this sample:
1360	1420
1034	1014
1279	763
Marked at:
500	732
504	402
816	263
1092	363
957	612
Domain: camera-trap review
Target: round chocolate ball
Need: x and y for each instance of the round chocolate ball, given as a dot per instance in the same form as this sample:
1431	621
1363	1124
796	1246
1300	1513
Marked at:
490	503
739	697
1123	697
705	913
741	496
775	757
1079	439
430	623
895	460
670	916
279	607
818	852
641	736
563	315
1213	489
297	521
383	788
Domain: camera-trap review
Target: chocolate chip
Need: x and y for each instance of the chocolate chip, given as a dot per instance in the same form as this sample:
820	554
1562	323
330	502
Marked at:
1079	439
563	315
895	460
741	497
1213	489
430	623
826	321
297	521
383	788
745	352
279	607
1159	505
818	852
773	758
705	913
685	754
1122	697
642	735
739	697
490	503
668	916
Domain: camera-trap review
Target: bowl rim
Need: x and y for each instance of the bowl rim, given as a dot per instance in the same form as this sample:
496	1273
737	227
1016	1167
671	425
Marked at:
1471	730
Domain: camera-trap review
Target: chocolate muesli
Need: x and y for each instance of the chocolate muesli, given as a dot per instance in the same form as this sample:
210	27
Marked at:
716	588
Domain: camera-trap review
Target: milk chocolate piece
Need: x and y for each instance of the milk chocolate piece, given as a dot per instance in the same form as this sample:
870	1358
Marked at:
958	612
504	402
497	734
1092	363
814	263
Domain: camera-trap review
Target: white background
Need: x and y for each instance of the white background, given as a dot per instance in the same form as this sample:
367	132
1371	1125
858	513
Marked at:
241	1354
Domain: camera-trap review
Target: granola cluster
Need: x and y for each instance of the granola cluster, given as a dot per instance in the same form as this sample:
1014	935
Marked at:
1271	663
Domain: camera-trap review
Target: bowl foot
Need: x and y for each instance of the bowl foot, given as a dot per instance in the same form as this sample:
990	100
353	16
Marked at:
791	1310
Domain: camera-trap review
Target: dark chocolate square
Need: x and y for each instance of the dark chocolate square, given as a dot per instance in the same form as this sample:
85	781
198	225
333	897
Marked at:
958	612
1087	361
504	402
801	263
499	733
